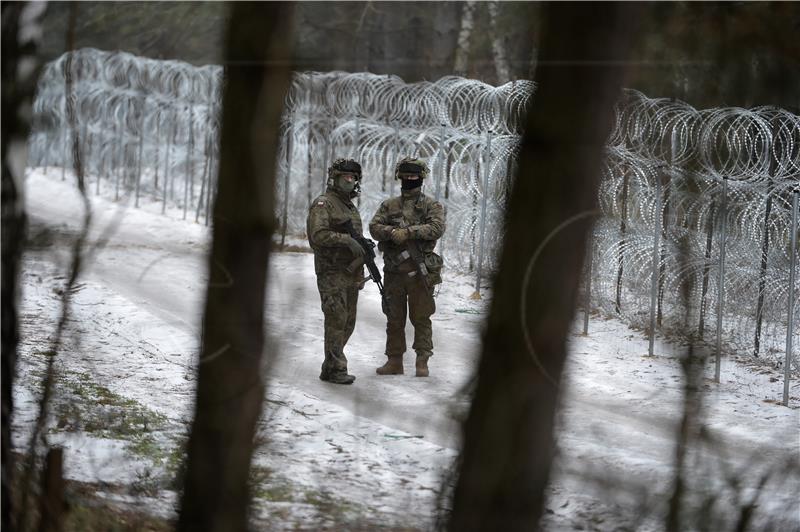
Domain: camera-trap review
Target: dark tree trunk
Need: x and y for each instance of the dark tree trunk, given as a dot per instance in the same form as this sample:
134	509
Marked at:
18	86
230	389
508	435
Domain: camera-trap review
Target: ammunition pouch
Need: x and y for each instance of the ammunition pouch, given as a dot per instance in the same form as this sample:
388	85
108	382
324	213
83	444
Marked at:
399	260
434	264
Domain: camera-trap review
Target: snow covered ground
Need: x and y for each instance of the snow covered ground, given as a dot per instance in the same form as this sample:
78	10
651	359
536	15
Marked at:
378	453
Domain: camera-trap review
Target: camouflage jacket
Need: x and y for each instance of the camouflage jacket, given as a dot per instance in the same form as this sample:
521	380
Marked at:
423	216
326	234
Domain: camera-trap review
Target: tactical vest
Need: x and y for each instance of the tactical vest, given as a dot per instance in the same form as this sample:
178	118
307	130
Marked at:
406	212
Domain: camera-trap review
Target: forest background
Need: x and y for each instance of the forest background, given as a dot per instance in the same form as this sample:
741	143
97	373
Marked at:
708	54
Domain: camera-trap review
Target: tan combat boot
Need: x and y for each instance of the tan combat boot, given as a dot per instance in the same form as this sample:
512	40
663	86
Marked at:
393	366
422	363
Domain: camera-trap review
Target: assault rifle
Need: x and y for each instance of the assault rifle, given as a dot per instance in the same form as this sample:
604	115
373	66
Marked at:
368	259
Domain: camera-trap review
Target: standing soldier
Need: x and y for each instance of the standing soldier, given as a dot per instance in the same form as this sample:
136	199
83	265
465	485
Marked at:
407	228
334	251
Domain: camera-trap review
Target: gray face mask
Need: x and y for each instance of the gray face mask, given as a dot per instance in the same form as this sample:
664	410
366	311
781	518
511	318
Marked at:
344	185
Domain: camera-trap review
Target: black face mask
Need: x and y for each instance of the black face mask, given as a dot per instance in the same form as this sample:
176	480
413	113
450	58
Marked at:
411	184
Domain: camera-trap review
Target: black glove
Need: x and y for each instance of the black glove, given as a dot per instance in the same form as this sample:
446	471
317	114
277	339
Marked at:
355	247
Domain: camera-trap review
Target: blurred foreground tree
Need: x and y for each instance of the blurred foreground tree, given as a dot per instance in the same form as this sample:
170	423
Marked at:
21	32
508	435
230	389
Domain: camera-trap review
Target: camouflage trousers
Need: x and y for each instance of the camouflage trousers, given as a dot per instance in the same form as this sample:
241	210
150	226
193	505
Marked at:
407	296
338	294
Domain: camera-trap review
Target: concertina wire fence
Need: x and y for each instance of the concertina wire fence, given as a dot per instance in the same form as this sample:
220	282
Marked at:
719	183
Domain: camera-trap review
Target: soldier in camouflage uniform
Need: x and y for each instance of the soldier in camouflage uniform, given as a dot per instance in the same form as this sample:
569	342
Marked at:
407	228
334	252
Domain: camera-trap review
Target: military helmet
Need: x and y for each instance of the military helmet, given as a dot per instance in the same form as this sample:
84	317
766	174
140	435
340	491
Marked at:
411	166
345	166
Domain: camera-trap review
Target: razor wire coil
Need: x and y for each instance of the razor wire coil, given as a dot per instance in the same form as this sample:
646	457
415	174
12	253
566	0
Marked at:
155	125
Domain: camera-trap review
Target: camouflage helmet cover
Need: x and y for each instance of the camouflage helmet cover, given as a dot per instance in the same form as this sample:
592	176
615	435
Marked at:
411	166
344	166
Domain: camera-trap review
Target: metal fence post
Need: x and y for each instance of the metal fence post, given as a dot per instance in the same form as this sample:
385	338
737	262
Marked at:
706	268
203	178
157	153
212	174
328	156
100	164
140	152
723	237
790	326
309	144
622	243
655	268
440	162
356	138
174	142
167	156
188	181
486	172
120	160
395	156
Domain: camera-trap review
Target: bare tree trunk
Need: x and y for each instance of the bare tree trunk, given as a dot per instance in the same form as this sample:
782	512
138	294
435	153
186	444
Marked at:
498	45
18	84
464	36
508	435
230	389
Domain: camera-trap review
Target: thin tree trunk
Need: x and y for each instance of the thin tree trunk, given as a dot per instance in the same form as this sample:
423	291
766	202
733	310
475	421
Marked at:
230	388
508	435
498	45
464	37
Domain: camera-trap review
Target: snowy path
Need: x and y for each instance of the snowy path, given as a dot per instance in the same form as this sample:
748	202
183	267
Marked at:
385	442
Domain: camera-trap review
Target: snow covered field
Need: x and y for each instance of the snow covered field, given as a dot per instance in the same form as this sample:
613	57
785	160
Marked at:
375	454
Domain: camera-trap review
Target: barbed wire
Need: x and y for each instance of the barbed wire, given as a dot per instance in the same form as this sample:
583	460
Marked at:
152	128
